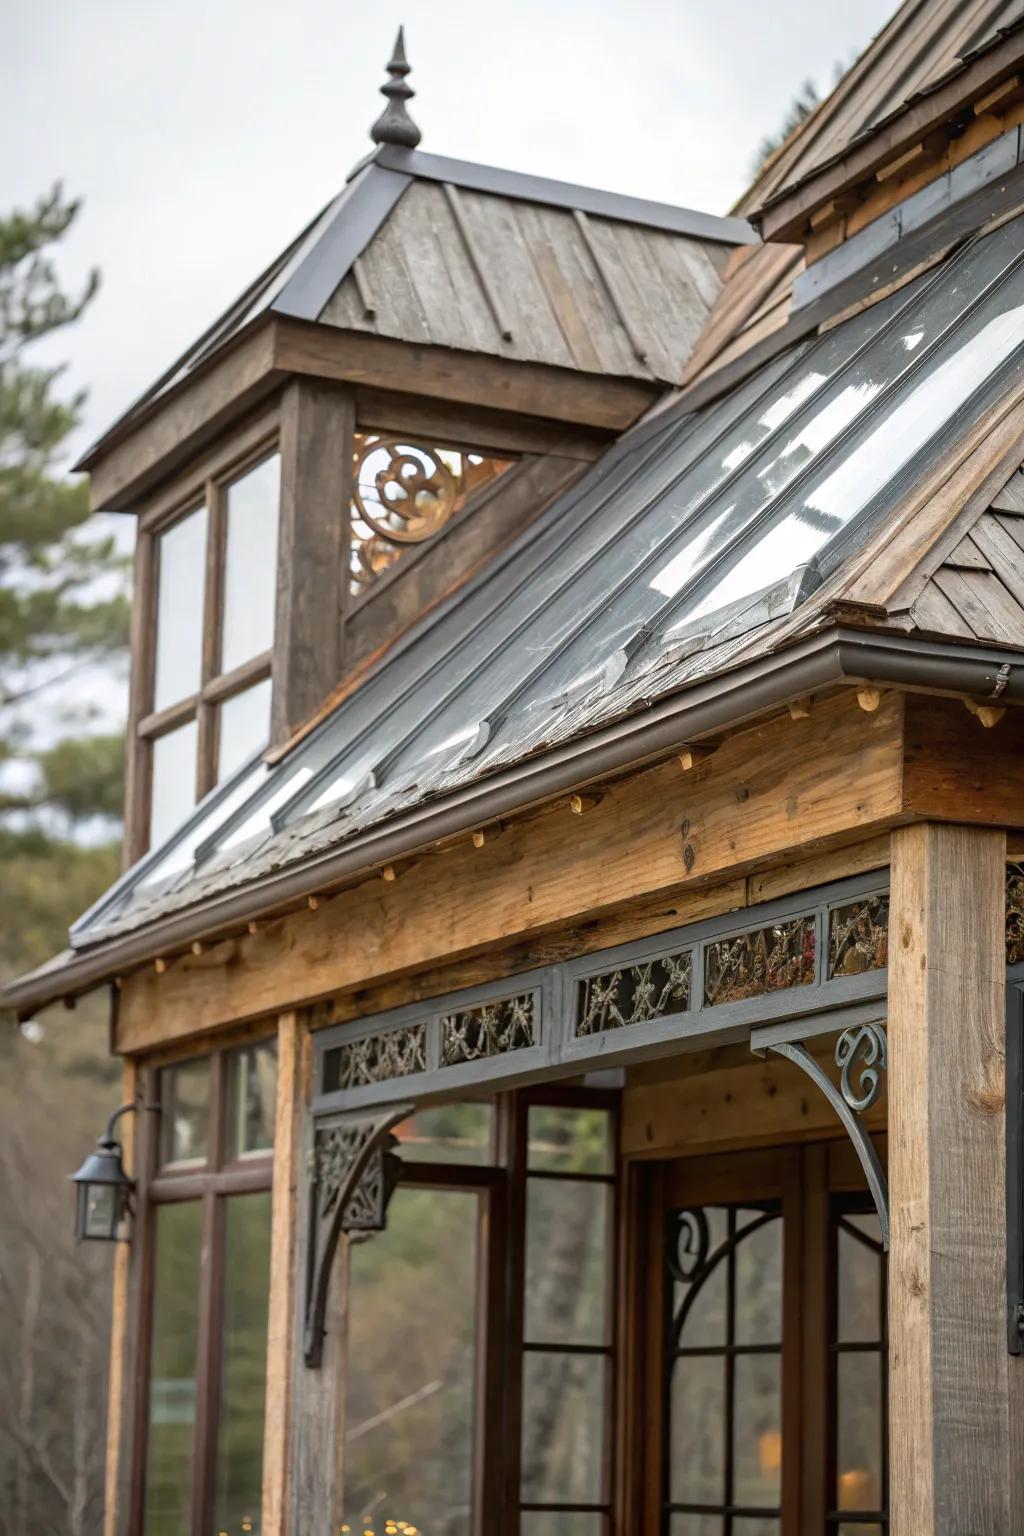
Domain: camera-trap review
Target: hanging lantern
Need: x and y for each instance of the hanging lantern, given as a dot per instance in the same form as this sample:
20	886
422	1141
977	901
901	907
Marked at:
103	1190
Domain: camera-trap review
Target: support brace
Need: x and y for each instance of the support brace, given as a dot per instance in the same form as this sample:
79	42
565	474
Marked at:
353	1173
868	1042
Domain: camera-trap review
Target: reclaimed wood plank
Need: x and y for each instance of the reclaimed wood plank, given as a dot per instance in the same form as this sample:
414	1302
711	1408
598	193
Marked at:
935	613
949	1430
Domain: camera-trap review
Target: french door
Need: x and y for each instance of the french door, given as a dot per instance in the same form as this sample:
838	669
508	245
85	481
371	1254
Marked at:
766	1348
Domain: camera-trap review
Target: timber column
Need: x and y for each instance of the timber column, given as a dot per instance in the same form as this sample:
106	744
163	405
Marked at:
954	1390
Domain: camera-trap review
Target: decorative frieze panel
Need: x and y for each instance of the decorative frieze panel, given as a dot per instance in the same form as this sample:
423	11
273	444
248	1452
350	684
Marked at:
759	961
858	936
376	1058
403	493
633	994
822	950
493	1029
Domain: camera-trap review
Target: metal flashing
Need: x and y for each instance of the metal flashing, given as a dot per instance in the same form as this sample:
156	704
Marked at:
561	194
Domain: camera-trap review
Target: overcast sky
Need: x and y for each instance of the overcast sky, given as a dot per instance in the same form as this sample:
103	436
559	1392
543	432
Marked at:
202	134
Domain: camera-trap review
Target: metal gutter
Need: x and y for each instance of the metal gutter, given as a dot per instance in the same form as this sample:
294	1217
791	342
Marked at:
837	656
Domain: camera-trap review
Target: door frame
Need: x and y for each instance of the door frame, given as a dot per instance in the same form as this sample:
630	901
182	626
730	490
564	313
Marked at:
804	1177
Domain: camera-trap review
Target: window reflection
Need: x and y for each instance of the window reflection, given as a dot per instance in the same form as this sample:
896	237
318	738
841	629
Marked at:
172	1372
181	567
250	563
859	1352
239	1471
243	727
252	1091
410	1382
173	781
185	1114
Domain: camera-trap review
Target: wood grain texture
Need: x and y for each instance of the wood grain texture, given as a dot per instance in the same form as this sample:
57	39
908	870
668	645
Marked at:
118	1386
281	1320
950	1432
724	1099
317	426
781	789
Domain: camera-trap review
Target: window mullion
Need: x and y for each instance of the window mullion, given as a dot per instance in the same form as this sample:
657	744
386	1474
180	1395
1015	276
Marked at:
213	613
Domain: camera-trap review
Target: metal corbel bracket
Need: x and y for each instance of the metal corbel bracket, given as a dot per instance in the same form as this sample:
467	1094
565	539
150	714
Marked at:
352	1176
860	1046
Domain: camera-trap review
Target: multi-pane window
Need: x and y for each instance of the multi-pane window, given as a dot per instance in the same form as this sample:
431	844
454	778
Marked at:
486	1304
859	1355
215	576
208	1255
567	1319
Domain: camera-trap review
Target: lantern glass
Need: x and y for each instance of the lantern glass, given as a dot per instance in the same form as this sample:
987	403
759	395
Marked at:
100	1212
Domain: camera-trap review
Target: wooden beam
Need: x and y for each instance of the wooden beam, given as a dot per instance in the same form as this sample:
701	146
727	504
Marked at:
713	1101
281	1316
465	426
949	1413
317	427
782	790
526	389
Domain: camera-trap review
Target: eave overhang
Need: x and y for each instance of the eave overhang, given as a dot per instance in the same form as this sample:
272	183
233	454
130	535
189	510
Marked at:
783	216
834	657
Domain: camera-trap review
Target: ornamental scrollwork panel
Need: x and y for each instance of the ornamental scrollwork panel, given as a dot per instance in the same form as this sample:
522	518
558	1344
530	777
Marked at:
858	936
354	1169
633	994
1014	914
403	493
492	1029
379	1058
763	960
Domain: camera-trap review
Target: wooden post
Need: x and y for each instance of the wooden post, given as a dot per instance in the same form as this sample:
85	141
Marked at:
281	1341
953	1466
118	1386
317	427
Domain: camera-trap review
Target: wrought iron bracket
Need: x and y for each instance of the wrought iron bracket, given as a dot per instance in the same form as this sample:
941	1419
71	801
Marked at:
353	1172
861	1048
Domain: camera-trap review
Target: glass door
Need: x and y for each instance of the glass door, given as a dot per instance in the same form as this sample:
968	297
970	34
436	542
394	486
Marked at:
772	1347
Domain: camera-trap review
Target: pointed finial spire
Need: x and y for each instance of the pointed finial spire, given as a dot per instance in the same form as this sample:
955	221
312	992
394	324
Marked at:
395	126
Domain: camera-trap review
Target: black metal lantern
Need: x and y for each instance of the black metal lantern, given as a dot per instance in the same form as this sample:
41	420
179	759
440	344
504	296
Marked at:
103	1190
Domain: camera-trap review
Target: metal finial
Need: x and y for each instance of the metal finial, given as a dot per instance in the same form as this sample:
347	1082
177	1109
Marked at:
395	126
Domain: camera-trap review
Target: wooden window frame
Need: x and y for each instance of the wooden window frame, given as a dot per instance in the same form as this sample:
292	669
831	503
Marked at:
210	1186
207	485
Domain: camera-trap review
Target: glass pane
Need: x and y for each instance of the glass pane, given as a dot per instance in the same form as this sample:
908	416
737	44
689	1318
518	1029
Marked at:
243	727
859	1530
570	1140
252	1091
695	1525
250	563
185	1113
561	1523
860	1275
411	1366
173	782
696	1449
181	570
566	1261
451	1133
757	1431
243	1364
758	1279
755	1525
172	1379
563	1429
859	1431
706	1314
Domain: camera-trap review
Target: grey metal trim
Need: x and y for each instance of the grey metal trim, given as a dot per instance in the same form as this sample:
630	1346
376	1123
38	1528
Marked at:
928	209
873	1171
359	213
821	1006
834	656
561	194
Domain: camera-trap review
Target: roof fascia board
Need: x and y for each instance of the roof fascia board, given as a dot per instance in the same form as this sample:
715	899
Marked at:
730	699
783	216
562	194
361	210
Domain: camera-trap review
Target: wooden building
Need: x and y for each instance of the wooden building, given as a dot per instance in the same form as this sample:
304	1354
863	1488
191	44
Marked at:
575	793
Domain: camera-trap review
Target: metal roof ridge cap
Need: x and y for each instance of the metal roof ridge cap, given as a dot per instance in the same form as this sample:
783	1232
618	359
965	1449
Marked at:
728	229
821	660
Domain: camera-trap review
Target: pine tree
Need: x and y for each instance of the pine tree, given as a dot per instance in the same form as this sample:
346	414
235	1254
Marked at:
63	606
